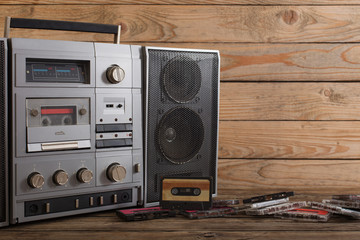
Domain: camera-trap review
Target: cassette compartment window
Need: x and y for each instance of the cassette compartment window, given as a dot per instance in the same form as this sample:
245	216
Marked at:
57	71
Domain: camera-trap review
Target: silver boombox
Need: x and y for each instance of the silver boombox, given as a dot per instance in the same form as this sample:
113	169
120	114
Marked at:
77	128
87	126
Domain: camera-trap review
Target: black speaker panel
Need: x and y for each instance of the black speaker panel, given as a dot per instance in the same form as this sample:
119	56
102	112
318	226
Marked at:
181	116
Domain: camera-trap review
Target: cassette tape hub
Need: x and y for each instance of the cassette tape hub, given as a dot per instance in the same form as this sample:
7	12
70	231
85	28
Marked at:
76	128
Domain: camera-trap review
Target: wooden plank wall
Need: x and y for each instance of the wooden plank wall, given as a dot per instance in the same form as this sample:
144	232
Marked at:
290	71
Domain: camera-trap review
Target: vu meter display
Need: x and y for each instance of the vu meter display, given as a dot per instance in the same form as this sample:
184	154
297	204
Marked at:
41	70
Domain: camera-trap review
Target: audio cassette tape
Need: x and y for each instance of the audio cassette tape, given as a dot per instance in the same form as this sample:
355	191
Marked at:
57	124
186	193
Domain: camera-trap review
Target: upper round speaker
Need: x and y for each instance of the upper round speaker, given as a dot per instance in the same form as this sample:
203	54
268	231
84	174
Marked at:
180	135
182	79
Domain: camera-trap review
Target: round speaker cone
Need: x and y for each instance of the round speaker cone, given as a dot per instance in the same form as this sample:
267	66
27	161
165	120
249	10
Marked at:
180	135
182	79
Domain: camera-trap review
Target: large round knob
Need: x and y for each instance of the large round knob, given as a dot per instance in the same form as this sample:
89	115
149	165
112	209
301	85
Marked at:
84	175
115	172
60	177
36	180
115	74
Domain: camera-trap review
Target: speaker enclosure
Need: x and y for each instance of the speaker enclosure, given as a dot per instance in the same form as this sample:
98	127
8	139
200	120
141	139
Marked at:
181	116
4	188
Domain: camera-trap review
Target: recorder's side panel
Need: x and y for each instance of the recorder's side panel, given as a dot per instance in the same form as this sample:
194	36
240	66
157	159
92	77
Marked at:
4	175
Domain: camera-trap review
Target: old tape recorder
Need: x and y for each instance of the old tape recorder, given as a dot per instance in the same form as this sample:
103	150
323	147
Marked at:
90	126
76	127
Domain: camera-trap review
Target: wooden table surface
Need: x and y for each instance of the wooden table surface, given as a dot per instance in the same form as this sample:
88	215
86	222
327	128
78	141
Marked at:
106	225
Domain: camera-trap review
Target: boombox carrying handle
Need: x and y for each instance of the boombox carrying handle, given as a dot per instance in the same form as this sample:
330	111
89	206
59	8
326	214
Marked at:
61	25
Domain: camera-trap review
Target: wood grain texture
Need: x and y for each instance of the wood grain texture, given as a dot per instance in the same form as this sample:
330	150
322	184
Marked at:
109	223
162	23
289	139
184	2
289	101
311	177
290	62
282	62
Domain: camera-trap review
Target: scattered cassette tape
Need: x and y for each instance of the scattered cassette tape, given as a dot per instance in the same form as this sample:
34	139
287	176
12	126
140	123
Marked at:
269	203
268	197
211	213
335	209
304	214
275	208
137	214
224	203
347	197
341	203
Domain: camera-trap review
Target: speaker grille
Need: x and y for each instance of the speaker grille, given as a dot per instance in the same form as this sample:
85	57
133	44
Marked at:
3	135
180	135
182	78
181	116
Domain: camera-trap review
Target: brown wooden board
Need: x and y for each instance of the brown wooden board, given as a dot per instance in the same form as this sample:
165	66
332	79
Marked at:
289	101
289	139
187	2
313	177
202	23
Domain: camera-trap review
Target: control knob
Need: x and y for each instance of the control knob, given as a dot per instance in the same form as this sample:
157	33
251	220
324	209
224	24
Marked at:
84	175
115	74
60	177
36	180
115	172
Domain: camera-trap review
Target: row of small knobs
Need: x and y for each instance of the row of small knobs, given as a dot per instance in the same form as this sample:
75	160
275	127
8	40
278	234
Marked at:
115	172
60	177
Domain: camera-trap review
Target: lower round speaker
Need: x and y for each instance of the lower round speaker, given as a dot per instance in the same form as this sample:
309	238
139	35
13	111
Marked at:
180	135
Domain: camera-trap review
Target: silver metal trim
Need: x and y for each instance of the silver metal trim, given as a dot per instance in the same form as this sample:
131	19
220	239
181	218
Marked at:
7	27
117	37
6	153
146	49
51	146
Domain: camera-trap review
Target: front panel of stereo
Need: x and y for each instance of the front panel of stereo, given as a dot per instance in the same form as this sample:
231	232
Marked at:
76	129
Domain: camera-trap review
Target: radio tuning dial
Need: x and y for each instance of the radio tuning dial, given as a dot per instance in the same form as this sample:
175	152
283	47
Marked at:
84	175
115	74
60	177
36	180
116	172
